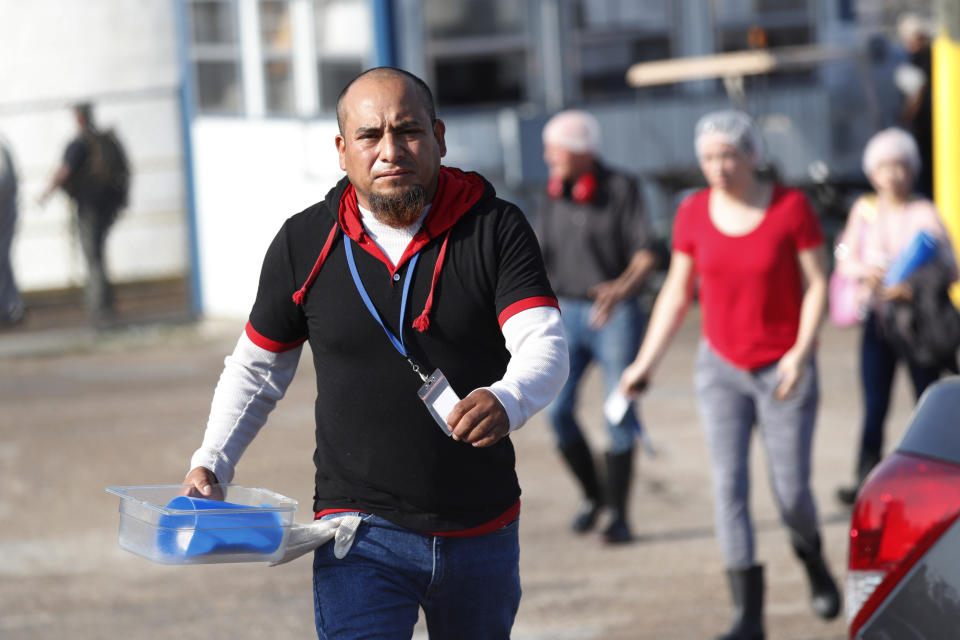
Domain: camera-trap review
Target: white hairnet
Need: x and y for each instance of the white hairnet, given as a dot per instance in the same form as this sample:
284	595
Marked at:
891	144
733	127
573	130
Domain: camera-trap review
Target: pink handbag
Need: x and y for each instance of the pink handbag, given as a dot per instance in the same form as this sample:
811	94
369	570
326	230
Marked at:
845	298
844	302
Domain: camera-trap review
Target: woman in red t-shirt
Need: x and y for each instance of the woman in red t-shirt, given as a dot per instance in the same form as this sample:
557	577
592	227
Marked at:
757	249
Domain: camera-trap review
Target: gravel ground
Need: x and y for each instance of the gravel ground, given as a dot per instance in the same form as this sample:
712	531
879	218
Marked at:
84	410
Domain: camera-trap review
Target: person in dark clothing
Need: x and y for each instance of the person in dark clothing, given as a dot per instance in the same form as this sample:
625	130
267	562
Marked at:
596	246
914	81
95	174
11	304
405	267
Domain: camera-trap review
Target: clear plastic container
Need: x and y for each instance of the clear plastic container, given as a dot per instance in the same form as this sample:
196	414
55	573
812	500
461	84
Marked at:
161	524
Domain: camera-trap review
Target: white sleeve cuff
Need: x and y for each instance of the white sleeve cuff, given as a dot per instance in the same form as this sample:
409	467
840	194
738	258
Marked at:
252	382
539	363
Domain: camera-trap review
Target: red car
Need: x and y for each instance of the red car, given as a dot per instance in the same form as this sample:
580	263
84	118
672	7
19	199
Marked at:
904	566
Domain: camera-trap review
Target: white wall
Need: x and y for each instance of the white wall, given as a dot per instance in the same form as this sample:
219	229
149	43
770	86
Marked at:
121	54
250	176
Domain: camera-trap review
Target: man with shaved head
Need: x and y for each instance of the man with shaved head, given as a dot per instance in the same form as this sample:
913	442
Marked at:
596	246
434	333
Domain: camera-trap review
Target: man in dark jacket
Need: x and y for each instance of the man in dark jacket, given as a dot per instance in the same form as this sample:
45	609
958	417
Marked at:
597	249
405	268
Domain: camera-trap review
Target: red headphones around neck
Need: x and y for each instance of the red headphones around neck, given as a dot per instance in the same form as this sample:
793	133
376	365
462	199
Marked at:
582	192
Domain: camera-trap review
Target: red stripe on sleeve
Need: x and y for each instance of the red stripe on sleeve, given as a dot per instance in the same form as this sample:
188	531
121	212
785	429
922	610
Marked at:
270	345
526	303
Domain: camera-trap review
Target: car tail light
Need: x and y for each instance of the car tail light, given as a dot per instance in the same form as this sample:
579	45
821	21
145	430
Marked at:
902	509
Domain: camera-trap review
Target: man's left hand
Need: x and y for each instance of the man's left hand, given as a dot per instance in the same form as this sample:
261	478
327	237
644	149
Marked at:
479	419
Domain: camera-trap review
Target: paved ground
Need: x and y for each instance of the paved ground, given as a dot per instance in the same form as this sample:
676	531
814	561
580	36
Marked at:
81	410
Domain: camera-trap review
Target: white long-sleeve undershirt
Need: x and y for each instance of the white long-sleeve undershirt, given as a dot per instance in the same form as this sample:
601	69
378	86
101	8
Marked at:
254	379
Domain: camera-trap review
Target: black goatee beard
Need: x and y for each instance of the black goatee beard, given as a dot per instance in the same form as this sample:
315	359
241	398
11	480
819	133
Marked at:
400	210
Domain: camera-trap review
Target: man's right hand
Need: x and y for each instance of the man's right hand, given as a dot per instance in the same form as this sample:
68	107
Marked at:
203	484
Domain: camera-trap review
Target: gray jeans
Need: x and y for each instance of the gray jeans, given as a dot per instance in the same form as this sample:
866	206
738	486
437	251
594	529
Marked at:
93	224
731	402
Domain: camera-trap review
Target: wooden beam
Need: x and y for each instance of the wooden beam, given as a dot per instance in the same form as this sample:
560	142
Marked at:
737	63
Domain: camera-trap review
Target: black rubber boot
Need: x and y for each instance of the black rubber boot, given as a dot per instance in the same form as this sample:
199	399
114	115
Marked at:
580	461
866	463
746	588
824	595
619	478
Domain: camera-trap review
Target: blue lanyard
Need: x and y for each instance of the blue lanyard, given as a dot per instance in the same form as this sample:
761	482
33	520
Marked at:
396	341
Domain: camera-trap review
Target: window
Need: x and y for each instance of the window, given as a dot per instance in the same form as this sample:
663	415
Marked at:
342	32
477	50
743	24
783	23
215	56
467	18
611	35
277	47
276	57
780	5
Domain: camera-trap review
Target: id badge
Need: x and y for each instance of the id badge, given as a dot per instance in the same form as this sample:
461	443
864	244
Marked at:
439	398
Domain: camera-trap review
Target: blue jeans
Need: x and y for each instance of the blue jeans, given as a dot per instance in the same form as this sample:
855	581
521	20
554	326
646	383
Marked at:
469	588
613	346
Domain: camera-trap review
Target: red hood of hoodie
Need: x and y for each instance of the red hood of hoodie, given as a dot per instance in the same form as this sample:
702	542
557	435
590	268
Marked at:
457	192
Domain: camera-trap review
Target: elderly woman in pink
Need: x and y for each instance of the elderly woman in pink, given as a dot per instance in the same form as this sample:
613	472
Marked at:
880	226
